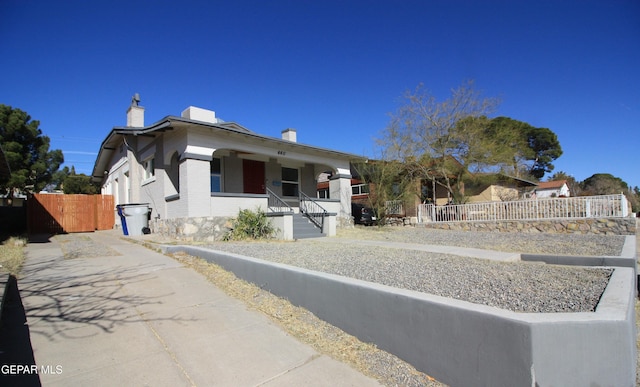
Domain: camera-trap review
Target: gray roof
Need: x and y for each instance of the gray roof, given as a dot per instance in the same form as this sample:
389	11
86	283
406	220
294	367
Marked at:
114	139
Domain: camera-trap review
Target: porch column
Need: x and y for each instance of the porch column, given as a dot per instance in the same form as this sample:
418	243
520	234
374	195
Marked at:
195	181
340	188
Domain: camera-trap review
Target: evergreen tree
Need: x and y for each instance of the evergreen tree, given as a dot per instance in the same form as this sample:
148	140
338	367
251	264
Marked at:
26	149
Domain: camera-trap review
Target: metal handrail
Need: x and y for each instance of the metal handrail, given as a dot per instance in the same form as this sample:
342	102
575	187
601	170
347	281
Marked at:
312	210
276	204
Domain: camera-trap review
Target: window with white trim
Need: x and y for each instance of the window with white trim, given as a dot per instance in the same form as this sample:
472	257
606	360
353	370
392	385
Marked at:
360	189
216	175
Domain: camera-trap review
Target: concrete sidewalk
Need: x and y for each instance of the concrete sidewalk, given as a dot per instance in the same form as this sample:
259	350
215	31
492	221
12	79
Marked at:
141	318
491	255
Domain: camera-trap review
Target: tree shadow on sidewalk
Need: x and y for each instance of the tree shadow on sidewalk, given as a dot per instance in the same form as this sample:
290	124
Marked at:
15	342
88	301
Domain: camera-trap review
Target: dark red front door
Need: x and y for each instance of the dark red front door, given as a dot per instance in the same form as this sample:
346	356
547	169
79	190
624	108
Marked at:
253	176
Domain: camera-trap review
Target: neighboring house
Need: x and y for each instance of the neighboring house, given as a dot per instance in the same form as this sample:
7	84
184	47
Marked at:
552	189
197	171
359	189
499	188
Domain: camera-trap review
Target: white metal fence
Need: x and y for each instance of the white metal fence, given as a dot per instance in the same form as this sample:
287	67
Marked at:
604	206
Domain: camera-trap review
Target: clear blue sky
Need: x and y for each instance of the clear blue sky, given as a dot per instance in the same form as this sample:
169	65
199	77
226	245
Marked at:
331	69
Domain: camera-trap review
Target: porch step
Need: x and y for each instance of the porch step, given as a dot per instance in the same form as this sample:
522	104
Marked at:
303	228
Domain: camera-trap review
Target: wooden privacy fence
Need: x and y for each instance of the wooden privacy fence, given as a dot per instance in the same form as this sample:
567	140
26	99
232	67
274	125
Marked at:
52	213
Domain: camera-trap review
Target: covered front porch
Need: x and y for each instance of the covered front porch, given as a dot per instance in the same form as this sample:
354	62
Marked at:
207	186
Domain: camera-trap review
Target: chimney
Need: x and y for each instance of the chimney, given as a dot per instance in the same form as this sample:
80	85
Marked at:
289	135
135	113
199	114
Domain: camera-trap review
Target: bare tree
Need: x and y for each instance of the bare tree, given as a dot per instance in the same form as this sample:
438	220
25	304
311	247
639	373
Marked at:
440	141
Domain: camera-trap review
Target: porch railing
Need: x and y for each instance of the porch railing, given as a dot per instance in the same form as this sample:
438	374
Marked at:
312	210
604	206
276	204
393	207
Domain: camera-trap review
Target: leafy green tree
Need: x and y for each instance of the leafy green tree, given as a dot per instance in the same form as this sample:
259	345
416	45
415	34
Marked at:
79	184
69	182
512	155
57	180
604	184
525	150
607	184
27	151
544	148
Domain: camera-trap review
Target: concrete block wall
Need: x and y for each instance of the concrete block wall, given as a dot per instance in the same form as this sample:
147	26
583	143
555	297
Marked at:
457	342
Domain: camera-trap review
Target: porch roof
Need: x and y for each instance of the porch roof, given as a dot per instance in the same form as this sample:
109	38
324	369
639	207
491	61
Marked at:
118	133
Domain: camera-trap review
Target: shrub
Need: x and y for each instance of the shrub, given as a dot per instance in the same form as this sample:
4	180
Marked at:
12	255
250	225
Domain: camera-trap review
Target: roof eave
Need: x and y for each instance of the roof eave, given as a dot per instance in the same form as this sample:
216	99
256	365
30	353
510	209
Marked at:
107	146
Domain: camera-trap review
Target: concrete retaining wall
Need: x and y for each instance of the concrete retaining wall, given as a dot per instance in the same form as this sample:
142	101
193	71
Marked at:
605	226
627	258
460	343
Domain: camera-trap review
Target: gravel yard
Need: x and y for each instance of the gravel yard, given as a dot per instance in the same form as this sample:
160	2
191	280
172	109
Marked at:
515	286
543	243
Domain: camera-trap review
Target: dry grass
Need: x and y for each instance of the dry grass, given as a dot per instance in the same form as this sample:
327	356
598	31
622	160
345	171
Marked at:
306	327
12	255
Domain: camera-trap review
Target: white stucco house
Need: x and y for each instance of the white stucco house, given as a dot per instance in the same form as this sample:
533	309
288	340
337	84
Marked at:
197	171
552	189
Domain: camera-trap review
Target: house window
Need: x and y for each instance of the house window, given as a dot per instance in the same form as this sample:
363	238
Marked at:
323	193
174	173
149	168
216	175
289	182
360	189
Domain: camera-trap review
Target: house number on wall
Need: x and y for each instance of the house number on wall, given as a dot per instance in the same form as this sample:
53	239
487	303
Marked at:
282	153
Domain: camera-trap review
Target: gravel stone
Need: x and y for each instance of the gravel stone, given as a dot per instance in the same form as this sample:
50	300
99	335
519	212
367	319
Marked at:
542	243
517	286
81	246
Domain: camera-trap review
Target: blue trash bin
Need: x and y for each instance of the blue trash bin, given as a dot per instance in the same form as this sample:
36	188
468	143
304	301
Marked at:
136	218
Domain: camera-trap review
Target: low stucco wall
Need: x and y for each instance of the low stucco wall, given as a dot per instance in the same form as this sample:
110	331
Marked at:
606	226
457	342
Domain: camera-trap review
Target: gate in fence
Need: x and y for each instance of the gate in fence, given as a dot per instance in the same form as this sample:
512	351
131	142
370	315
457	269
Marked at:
53	214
